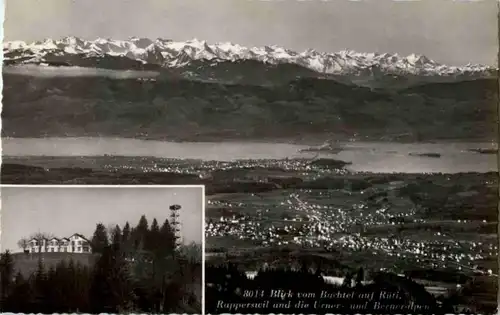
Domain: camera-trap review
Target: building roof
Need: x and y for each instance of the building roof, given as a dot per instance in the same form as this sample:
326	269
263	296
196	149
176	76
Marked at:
58	239
81	236
37	239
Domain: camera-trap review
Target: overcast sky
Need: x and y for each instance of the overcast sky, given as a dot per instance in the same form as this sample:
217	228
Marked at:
449	31
64	211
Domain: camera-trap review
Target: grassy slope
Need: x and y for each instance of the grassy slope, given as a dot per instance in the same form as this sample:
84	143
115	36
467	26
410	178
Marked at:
27	263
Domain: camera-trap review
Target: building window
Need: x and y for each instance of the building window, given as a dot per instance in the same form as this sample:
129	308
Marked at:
79	249
52	249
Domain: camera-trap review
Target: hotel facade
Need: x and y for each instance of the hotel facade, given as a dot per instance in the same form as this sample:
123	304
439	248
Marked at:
76	243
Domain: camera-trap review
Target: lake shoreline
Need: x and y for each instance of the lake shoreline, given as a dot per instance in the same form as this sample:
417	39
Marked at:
373	157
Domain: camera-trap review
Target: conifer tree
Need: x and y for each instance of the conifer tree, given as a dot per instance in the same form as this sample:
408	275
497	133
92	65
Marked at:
154	226
143	225
126	233
6	275
154	238
111	290
167	239
65	290
39	287
50	291
81	286
21	298
141	231
99	239
40	270
117	235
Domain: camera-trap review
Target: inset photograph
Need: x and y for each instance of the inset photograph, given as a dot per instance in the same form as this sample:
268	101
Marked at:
102	249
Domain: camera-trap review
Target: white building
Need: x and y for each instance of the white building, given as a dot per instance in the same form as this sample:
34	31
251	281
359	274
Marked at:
64	244
53	245
76	243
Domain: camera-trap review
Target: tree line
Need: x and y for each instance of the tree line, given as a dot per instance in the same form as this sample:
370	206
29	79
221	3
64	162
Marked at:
136	269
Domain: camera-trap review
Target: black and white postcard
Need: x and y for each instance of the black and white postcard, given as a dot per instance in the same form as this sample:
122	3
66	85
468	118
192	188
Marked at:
348	149
102	249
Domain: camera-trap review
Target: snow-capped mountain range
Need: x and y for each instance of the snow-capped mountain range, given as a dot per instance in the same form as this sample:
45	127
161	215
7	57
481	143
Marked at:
172	54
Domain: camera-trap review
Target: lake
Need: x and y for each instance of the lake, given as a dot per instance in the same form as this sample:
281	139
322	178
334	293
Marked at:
379	157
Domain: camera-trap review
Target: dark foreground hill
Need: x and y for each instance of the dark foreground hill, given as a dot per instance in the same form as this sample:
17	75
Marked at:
192	110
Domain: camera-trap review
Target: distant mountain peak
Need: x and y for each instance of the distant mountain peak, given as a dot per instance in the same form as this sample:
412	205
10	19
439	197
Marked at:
168	53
